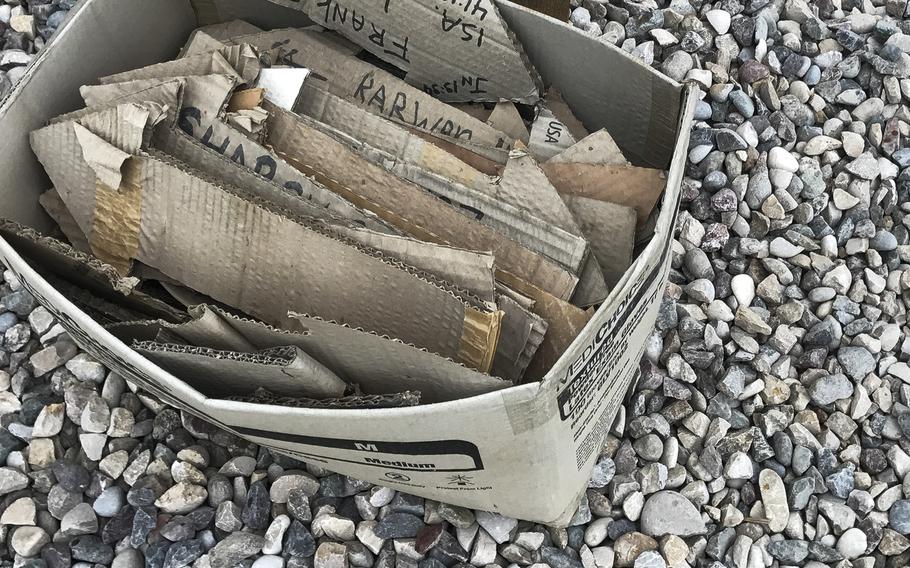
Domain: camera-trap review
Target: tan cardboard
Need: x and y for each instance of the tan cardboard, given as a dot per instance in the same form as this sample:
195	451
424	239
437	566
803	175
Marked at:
202	98
631	186
86	273
598	148
558	9
549	136
407	206
240	60
378	91
505	118
234	263
522	334
455	52
564	114
191	152
376	364
210	38
239	149
385	135
284	371
469	270
55	207
463	451
610	229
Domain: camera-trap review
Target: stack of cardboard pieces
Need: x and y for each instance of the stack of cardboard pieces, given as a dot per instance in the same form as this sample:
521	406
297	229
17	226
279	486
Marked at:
274	218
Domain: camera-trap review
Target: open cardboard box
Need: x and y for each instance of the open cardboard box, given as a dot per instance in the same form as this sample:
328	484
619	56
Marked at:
526	451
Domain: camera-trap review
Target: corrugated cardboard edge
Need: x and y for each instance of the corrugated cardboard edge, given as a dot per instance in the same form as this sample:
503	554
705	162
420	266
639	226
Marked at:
353	402
104	272
598	148
288	370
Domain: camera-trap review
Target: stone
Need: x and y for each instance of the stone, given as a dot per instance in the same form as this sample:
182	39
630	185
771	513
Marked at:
774	499
28	541
899	516
181	498
852	543
330	555
669	513
20	512
79	520
234	548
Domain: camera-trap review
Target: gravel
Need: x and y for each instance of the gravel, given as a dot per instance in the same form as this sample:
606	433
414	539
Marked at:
771	422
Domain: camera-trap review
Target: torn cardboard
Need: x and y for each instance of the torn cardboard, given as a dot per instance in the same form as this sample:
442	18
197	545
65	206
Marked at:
87	273
407	206
521	337
222	245
245	153
505	118
549	136
376	131
210	38
378	91
456	52
555	103
376	364
240	61
283	371
598	148
638	188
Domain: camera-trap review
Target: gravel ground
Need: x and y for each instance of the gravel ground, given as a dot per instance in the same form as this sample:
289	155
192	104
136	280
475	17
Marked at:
24	27
770	426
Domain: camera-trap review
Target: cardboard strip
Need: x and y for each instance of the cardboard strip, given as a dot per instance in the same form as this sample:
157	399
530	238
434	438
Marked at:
378	91
469	270
203	98
405	205
564	114
209	38
237	148
219	167
223	245
284	371
522	334
638	188
353	402
240	60
457	52
385	135
549	136
592	286
505	118
85	272
375	364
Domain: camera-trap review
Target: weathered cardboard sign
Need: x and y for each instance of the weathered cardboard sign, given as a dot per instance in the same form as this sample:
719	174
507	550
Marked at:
248	154
378	91
638	188
407	206
455	51
204	236
376	131
549	136
284	371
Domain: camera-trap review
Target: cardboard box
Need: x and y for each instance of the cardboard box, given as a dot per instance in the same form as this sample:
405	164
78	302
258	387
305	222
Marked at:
525	451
